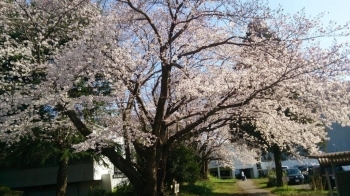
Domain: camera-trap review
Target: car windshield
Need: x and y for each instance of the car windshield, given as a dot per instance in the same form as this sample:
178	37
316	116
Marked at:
346	168
293	171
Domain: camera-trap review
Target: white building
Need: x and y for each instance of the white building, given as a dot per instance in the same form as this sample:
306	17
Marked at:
41	181
250	170
290	163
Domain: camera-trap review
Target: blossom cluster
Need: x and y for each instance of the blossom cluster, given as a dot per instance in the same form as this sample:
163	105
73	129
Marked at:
170	70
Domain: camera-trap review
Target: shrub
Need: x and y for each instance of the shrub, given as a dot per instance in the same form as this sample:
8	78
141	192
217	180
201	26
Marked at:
182	165
6	191
124	189
272	178
316	182
202	187
96	190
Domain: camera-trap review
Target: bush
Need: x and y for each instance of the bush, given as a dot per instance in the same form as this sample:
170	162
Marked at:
316	182
124	189
202	187
6	191
182	165
96	190
272	178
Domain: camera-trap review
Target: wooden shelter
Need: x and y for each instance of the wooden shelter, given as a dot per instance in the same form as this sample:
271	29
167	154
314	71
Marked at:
333	160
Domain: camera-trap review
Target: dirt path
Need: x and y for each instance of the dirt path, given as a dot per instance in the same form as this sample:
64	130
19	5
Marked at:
251	190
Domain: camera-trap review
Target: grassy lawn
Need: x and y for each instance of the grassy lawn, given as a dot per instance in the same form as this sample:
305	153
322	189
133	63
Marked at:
220	187
287	190
212	187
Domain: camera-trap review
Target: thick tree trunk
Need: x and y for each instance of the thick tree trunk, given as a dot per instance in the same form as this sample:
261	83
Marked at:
161	176
278	163
150	172
126	167
151	188
61	183
148	179
204	169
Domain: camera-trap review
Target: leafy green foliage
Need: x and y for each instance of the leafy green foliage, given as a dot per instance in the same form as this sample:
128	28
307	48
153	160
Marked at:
318	182
5	191
271	175
96	190
182	165
41	148
124	189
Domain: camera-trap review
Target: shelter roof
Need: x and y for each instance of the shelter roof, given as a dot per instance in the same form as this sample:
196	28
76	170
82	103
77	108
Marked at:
335	158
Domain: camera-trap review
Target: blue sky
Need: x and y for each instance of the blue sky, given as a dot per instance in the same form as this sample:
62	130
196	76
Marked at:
336	10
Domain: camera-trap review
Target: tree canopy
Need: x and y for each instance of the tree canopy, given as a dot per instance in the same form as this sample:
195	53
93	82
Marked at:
177	68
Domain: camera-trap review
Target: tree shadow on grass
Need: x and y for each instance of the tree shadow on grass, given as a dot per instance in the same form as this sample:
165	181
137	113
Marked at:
263	185
239	194
197	189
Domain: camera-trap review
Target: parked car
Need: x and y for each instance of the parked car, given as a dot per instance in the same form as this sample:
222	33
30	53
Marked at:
306	170
284	168
295	176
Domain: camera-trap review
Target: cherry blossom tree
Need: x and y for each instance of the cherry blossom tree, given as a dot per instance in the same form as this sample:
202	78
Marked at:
180	68
30	33
216	145
246	131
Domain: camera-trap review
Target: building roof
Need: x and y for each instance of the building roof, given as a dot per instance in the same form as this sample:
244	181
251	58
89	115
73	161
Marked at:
337	158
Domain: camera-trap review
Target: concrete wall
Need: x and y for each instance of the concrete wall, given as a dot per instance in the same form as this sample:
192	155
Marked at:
81	176
73	189
45	175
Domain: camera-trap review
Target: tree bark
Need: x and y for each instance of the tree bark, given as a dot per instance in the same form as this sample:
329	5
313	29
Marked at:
151	173
161	175
61	183
278	163
124	166
148	179
204	169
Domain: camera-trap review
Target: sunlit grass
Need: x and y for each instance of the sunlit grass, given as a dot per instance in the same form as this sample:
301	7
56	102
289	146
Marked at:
211	187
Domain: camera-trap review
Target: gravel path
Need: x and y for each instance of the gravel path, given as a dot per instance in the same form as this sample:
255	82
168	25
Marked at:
251	190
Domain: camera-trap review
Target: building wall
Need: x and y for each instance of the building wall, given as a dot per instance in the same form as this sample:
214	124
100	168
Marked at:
290	163
249	169
42	181
45	175
100	169
73	189
339	138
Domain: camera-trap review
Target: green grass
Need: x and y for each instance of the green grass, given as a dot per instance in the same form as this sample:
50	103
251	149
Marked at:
211	187
288	190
